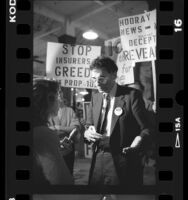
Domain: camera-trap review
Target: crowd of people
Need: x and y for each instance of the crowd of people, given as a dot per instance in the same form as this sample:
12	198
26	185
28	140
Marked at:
117	126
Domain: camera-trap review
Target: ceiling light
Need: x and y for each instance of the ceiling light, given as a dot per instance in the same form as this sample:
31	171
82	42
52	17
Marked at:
84	92
90	35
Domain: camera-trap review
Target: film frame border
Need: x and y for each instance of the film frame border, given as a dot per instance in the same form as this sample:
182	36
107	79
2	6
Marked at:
20	70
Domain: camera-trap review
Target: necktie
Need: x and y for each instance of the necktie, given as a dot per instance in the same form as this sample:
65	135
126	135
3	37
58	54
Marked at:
105	108
102	119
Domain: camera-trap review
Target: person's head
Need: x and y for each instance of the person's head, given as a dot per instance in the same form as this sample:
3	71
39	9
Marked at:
103	73
63	100
45	99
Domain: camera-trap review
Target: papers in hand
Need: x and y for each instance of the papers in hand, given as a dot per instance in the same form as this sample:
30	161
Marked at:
92	129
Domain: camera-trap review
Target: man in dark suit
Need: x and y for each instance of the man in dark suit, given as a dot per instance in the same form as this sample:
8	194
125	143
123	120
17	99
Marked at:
117	127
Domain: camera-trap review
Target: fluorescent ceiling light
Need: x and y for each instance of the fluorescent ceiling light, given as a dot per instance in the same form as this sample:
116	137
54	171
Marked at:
90	35
84	92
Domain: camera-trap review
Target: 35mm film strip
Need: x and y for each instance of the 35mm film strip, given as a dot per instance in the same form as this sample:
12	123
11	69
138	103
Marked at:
19	73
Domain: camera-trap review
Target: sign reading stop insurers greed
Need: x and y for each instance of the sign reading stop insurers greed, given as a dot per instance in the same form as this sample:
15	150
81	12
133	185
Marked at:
70	63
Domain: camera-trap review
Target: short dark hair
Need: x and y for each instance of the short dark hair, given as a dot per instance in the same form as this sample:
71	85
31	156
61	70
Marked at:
103	62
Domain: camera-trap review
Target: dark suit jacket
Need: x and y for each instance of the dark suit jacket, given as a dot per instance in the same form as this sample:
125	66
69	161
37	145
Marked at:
124	128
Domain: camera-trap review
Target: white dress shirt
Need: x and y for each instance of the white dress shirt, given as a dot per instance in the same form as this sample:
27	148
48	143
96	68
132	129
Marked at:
110	111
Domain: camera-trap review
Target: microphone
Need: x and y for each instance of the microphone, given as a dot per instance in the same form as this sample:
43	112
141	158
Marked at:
67	140
72	134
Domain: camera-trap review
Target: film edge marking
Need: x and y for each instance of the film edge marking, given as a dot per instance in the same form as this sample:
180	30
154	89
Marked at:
12	11
177	130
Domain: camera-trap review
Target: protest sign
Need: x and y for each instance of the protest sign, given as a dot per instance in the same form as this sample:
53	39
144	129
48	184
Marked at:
70	63
113	49
138	37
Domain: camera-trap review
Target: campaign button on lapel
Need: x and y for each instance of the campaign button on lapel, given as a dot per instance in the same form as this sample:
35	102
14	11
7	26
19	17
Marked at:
118	111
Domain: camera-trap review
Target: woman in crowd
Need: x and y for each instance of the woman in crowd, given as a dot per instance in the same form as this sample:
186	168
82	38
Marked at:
65	122
49	166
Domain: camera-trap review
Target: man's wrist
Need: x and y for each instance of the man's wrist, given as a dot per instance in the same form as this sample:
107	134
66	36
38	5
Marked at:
137	141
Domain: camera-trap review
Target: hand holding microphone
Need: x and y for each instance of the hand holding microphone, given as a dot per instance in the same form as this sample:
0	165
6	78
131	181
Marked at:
66	142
